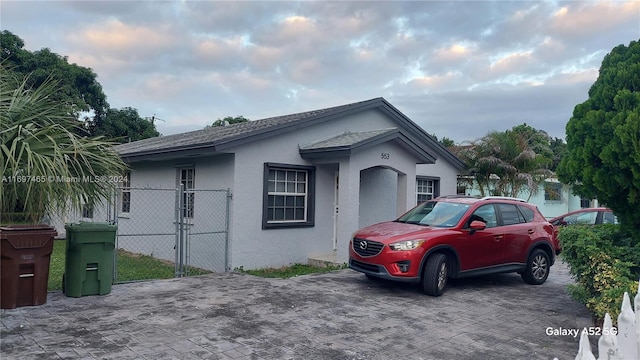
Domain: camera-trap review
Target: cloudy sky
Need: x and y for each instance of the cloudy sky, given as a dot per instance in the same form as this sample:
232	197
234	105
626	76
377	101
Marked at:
457	68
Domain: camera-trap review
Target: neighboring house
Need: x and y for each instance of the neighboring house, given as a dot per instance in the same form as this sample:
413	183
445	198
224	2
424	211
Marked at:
552	198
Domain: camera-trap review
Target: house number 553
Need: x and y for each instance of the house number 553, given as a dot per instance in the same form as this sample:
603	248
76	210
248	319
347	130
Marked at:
384	156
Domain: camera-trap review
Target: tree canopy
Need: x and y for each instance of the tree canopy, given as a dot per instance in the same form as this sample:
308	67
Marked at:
603	137
77	86
508	163
228	120
125	125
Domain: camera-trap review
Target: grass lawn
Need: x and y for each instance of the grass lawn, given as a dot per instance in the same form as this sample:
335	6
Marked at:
130	266
133	267
290	271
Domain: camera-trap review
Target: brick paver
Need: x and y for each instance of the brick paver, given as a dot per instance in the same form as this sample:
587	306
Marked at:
338	315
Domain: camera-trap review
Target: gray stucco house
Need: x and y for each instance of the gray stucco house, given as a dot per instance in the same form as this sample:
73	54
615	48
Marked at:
299	184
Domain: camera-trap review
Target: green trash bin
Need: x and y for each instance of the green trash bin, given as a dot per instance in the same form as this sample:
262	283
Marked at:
89	259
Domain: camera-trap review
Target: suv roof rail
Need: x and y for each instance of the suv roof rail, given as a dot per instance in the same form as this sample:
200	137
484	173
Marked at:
457	197
503	198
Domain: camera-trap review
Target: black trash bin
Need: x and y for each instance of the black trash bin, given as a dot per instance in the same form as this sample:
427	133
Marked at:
90	259
25	252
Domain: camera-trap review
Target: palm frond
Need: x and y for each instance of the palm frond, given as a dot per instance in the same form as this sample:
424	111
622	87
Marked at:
52	168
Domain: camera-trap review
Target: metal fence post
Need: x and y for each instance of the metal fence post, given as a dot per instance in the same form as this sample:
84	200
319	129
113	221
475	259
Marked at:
226	229
114	221
180	208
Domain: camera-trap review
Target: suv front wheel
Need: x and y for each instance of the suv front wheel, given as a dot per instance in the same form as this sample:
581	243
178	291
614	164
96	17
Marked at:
435	276
537	269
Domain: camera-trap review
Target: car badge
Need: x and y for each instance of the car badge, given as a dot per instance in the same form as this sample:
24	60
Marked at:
363	245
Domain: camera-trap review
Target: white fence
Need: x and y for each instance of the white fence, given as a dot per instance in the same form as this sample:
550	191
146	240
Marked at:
621	343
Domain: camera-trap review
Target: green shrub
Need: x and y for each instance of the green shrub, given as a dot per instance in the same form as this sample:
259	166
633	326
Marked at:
605	262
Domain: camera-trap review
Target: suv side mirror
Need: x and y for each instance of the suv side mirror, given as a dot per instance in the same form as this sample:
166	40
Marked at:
476	225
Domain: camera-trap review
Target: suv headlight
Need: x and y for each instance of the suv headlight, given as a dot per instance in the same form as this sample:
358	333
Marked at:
406	245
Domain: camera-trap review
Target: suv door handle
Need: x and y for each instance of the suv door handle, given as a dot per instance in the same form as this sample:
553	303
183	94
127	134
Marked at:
530	231
497	237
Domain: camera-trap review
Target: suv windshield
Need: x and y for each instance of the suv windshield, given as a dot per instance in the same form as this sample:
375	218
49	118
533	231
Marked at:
435	213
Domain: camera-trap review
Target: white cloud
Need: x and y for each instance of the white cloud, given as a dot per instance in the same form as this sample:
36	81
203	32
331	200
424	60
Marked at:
458	69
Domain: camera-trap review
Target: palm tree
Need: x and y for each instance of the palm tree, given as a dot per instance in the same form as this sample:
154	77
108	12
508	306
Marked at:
45	166
507	163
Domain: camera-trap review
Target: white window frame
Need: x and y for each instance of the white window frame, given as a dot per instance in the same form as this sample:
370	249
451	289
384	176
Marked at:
283	182
188	197
427	188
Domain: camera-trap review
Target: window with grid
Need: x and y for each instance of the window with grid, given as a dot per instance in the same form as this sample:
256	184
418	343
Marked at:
288	196
553	191
187	179
125	189
427	189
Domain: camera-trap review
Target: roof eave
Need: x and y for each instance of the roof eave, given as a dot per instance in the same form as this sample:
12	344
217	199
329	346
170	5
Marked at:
340	151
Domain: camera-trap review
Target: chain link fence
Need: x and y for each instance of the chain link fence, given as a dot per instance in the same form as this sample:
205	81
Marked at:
165	233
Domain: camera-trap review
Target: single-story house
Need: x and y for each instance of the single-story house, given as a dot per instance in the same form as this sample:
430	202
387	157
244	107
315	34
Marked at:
298	185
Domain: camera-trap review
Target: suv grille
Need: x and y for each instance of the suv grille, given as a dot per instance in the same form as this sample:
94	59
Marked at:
364	266
367	248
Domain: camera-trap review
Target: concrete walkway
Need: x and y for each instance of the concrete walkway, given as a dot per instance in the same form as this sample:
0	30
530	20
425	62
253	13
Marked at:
338	315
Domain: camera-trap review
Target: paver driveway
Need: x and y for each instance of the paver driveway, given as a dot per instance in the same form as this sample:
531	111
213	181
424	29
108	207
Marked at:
338	315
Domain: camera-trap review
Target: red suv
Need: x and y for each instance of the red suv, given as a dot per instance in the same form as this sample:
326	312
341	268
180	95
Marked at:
457	236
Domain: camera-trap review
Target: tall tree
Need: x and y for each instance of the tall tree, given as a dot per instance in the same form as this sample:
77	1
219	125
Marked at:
76	86
559	149
603	137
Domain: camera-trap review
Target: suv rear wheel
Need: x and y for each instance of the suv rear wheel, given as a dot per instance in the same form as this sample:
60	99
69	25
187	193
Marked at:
435	276
537	269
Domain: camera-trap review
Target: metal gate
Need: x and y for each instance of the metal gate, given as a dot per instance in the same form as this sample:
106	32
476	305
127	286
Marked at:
165	233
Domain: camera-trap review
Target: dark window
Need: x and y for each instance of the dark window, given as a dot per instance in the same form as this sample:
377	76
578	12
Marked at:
527	213
125	188
585	218
585	203
289	192
87	211
187	180
486	214
510	214
609	218
553	191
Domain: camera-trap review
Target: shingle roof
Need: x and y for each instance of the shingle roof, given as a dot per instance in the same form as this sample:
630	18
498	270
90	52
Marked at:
218	135
219	138
350	142
348	139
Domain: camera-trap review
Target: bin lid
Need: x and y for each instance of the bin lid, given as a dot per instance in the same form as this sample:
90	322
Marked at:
86	226
26	229
27	236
